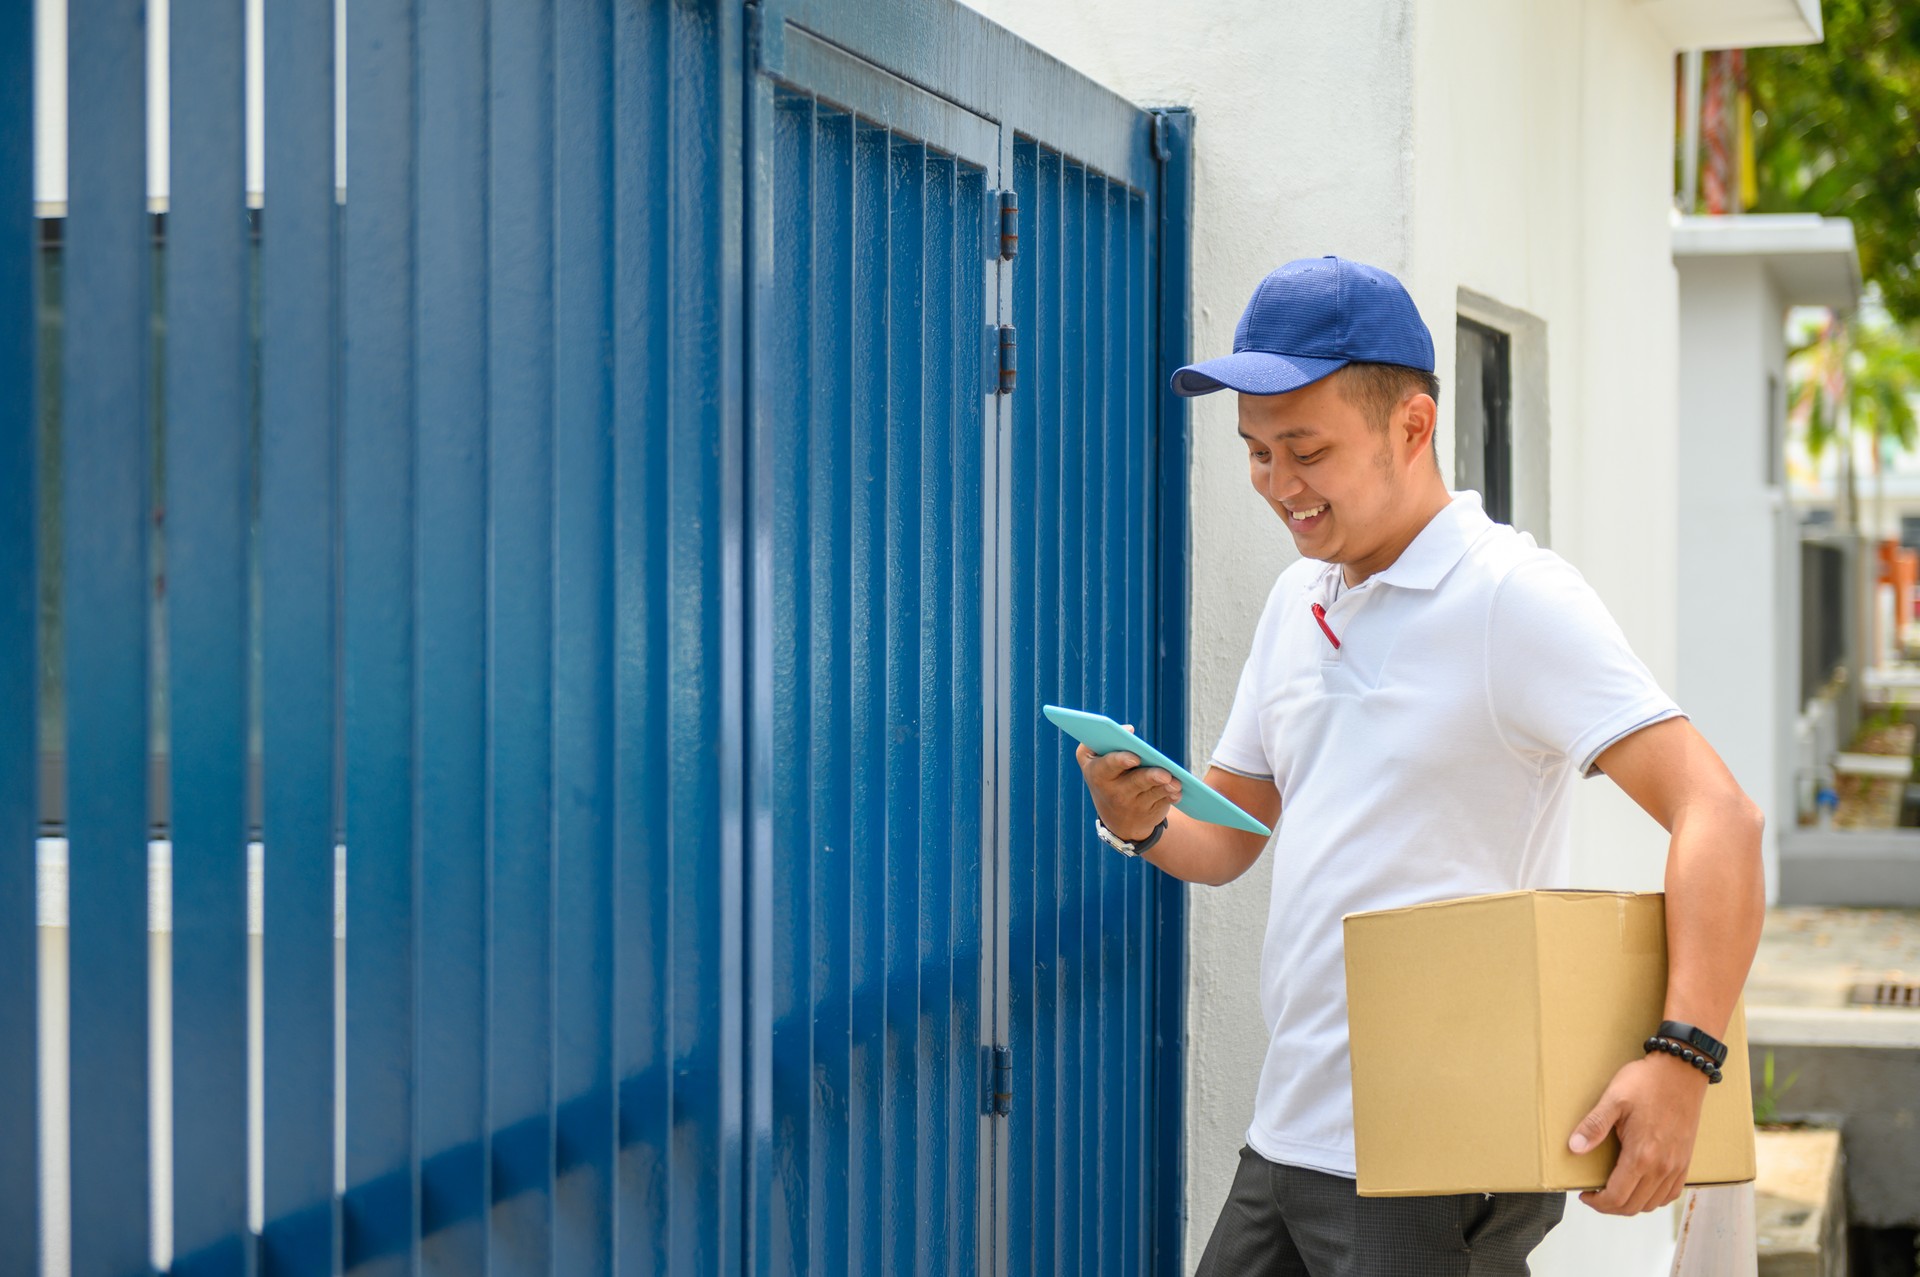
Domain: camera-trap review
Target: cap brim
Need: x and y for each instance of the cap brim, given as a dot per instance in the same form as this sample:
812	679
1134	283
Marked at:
1253	372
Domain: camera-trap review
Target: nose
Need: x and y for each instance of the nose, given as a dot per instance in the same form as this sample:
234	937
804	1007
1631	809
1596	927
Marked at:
1282	480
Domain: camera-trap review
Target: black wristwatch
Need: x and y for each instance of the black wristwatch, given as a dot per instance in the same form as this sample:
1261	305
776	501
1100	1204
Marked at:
1699	1039
1121	845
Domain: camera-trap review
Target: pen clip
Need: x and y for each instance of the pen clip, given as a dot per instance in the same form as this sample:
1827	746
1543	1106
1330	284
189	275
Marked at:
1320	615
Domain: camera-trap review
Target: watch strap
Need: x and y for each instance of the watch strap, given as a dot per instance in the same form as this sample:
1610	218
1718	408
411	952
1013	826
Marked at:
1699	1039
1121	845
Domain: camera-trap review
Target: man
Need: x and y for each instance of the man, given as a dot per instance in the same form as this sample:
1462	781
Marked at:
1424	688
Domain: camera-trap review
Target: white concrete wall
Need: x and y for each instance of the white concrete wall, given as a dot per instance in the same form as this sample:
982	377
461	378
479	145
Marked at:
1518	149
1731	338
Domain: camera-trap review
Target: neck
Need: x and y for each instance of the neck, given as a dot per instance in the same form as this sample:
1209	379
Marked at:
1433	498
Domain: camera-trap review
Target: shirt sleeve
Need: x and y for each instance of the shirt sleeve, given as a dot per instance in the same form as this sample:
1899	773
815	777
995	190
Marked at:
1561	677
1241	748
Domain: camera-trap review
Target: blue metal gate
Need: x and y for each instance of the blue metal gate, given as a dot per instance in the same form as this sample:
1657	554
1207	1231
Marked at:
674	475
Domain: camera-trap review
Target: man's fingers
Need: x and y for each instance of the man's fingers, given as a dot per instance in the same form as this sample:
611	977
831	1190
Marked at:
1593	1128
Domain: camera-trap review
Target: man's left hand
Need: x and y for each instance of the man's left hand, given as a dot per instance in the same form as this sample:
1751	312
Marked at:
1654	1105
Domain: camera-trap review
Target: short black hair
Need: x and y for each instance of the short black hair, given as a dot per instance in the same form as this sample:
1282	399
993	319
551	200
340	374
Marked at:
1377	389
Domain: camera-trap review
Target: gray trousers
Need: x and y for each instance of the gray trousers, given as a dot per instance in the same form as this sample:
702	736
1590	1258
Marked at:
1286	1221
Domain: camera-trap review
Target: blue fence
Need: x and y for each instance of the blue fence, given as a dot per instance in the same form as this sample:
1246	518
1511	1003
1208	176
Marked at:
639	523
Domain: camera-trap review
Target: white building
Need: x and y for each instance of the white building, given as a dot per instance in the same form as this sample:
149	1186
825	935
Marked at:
1740	595
1513	163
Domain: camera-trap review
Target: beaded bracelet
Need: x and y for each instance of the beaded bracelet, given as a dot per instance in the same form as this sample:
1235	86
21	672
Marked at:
1686	1053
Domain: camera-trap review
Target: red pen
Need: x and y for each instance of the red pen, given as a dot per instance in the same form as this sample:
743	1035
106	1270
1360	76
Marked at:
1320	615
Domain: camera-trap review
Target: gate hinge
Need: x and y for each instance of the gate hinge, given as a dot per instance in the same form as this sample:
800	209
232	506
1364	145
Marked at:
1000	1091
1159	141
1009	359
1009	225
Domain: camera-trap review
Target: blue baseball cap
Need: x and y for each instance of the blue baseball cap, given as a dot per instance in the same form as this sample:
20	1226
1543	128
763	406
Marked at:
1309	318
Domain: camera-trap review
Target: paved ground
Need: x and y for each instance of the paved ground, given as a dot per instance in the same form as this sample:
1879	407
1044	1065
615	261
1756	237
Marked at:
1812	957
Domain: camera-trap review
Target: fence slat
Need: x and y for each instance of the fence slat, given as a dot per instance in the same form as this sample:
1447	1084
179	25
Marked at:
930	574
451	306
831	1177
299	504
381	1220
208	505
865	742
106	492
520	477
785	845
646	823
583	678
19	611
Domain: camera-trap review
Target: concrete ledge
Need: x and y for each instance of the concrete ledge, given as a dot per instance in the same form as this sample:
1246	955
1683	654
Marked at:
1800	1207
1833	1026
1878	868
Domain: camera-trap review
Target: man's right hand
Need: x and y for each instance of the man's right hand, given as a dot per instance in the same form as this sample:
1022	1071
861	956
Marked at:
1132	800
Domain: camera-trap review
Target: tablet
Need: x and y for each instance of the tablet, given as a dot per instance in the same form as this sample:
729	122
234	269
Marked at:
1198	799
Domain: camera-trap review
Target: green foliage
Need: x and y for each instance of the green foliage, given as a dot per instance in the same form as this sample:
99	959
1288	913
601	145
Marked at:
1766	1100
1836	133
1882	367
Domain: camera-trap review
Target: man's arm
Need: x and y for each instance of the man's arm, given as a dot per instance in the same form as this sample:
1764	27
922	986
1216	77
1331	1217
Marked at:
1132	800
1716	904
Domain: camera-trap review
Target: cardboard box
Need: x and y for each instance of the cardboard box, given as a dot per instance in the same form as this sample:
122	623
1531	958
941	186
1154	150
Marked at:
1484	1029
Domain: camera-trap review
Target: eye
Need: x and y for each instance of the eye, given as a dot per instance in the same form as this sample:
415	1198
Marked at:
1257	454
1308	459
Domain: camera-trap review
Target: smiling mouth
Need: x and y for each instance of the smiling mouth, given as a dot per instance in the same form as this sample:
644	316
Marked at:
1301	516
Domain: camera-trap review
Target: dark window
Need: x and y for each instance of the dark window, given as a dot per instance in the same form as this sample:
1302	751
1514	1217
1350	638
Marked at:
1483	416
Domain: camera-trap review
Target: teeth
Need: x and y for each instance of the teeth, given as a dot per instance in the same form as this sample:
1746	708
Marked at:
1299	515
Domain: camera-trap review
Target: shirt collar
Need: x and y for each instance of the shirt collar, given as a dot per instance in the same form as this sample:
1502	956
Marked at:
1431	554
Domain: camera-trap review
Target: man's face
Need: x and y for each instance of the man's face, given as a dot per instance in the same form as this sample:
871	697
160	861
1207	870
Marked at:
1337	481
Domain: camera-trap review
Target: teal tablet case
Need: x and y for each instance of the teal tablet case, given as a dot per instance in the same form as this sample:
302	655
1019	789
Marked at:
1198	799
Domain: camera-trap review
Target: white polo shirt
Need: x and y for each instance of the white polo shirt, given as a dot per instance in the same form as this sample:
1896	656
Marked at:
1431	754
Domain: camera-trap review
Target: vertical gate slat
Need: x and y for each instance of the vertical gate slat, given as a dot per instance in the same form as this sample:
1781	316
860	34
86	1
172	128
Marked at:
967	695
785	580
299	459
1106	646
520	479
450	595
208	503
871	1167
903	1181
381	1214
1133	377
1050	1089
1024	734
934	962
831	507
105	499
19	691
583	654
648	821
1081	675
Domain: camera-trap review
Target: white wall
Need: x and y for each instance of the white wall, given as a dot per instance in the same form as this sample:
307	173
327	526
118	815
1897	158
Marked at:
1731	338
1517	149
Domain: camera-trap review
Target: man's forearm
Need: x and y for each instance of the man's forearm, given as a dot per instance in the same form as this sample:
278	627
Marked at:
1197	851
1716	905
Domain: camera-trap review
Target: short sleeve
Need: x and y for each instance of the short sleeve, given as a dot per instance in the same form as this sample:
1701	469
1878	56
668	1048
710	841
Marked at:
1241	749
1561	678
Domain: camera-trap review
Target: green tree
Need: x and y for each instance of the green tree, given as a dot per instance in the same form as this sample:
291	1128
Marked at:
1835	133
1878	364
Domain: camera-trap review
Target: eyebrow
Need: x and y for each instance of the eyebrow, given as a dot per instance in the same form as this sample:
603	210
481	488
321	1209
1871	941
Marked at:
1296	433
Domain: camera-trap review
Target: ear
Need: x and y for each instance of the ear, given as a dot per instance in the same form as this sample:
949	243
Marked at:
1414	423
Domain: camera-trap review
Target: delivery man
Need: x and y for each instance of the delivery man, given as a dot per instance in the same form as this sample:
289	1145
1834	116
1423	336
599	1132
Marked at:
1424	688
